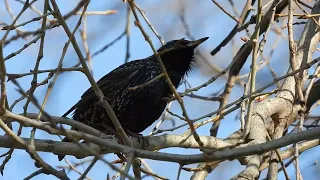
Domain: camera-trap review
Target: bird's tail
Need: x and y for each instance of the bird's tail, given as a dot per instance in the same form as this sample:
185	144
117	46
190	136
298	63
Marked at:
60	157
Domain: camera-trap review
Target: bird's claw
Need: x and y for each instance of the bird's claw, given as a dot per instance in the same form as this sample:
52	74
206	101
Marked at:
141	139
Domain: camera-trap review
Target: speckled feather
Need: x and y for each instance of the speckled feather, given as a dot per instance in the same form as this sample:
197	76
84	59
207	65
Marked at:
136	109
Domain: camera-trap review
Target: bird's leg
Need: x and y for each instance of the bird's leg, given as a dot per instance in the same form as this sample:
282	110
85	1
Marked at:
168	98
130	133
141	139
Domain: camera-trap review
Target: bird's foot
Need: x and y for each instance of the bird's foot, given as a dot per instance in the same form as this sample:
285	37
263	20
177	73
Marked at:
141	139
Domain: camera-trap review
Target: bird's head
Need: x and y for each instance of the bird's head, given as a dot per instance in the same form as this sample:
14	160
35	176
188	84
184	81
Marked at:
177	55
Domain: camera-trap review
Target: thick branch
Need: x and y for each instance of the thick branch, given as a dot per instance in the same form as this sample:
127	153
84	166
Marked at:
154	143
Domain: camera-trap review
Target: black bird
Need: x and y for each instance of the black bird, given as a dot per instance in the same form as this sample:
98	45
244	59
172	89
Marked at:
136	109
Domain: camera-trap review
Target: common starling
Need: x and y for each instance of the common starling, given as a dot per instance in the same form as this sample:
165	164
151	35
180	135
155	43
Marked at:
137	109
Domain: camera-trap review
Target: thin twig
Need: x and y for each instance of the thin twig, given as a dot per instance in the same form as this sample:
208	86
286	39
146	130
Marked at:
143	14
107	12
225	11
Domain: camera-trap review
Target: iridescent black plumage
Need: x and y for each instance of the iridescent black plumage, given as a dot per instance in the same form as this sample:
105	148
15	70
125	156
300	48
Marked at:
137	109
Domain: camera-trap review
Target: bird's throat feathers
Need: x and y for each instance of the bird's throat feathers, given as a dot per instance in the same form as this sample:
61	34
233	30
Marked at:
178	63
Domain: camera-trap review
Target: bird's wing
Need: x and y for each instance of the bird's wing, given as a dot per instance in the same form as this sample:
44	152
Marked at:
116	79
111	83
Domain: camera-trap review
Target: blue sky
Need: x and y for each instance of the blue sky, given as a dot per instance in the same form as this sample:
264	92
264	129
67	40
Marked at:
204	19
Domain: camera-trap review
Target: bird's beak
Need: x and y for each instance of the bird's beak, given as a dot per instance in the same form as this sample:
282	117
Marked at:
195	43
